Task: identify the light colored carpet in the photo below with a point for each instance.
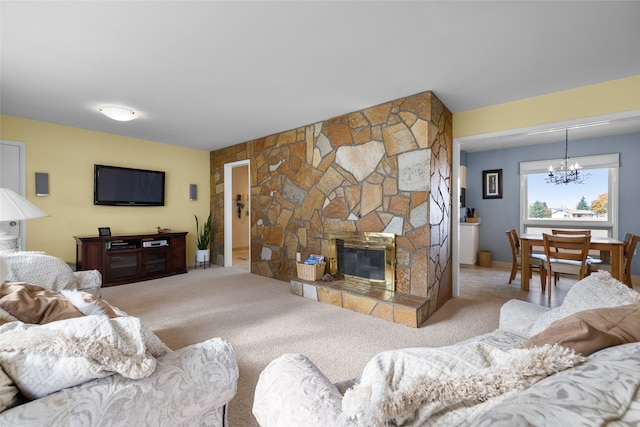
(263, 320)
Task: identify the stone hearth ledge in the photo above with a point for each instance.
(397, 307)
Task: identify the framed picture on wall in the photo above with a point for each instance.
(492, 184)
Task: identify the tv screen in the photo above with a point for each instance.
(118, 186)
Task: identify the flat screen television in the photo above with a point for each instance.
(117, 186)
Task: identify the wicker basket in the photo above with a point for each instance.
(311, 272)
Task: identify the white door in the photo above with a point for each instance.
(12, 176)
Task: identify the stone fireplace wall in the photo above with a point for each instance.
(381, 169)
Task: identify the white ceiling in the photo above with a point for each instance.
(210, 74)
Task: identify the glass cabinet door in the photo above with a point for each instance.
(155, 262)
(120, 266)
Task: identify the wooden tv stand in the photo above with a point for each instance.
(132, 258)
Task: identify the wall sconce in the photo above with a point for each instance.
(241, 201)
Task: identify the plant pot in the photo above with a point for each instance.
(202, 255)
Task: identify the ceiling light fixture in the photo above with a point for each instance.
(566, 172)
(121, 114)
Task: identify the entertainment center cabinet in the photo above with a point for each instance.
(132, 258)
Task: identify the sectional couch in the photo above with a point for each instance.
(578, 364)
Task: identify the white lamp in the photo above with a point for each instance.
(121, 114)
(14, 208)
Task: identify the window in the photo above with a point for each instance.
(592, 205)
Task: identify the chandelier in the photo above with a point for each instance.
(566, 172)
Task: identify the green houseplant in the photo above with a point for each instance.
(203, 238)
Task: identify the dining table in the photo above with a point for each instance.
(608, 247)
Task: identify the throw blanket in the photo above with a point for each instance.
(423, 386)
(42, 359)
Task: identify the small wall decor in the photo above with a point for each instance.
(104, 231)
(492, 184)
(241, 201)
(42, 184)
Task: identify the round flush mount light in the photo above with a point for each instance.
(121, 114)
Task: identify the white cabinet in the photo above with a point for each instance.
(469, 242)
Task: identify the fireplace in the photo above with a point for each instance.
(364, 260)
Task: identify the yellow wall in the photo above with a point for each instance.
(68, 154)
(610, 97)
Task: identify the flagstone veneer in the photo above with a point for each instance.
(382, 169)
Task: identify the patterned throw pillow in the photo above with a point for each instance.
(37, 305)
(599, 290)
(591, 330)
(34, 304)
(40, 269)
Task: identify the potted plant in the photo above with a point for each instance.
(203, 238)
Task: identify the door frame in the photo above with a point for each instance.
(22, 184)
(228, 209)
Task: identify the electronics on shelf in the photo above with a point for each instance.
(155, 243)
(119, 245)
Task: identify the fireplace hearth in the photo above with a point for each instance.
(364, 260)
(365, 266)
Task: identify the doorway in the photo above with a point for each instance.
(617, 123)
(237, 214)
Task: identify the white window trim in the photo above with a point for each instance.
(611, 161)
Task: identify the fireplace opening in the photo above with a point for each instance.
(364, 260)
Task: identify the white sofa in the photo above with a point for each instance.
(191, 386)
(448, 385)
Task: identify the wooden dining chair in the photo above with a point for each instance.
(571, 232)
(629, 247)
(535, 260)
(590, 260)
(565, 255)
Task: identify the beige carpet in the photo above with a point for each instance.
(263, 320)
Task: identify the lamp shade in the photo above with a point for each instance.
(14, 207)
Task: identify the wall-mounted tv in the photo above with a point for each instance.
(117, 186)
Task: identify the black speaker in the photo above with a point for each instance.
(42, 184)
(193, 192)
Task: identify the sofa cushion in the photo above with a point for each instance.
(599, 290)
(591, 330)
